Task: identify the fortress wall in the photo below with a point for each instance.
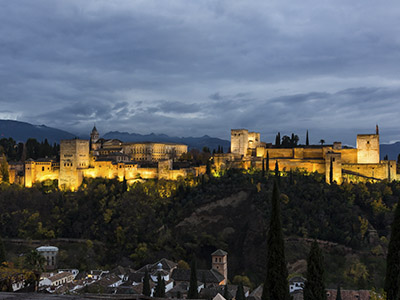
(313, 153)
(348, 155)
(293, 164)
(147, 173)
(279, 152)
(378, 171)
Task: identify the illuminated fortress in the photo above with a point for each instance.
(108, 159)
(342, 163)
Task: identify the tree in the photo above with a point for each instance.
(159, 291)
(240, 292)
(2, 252)
(146, 284)
(226, 293)
(5, 176)
(393, 258)
(307, 141)
(276, 285)
(263, 168)
(278, 139)
(277, 174)
(386, 157)
(322, 142)
(267, 163)
(314, 288)
(193, 292)
(35, 262)
(338, 293)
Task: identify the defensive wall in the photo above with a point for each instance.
(76, 163)
(360, 163)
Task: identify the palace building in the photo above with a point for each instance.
(341, 163)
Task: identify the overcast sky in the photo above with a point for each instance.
(193, 67)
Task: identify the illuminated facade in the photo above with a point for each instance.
(342, 163)
(108, 159)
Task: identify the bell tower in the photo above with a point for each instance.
(94, 137)
(219, 262)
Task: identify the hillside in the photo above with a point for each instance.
(21, 131)
(156, 219)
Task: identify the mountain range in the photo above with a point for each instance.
(21, 131)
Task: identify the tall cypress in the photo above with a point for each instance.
(240, 292)
(278, 139)
(146, 284)
(193, 292)
(314, 288)
(2, 252)
(338, 293)
(393, 258)
(226, 293)
(267, 163)
(276, 286)
(277, 174)
(263, 168)
(160, 287)
(307, 141)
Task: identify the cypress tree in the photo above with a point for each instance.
(263, 168)
(2, 252)
(222, 149)
(278, 139)
(162, 288)
(276, 286)
(338, 294)
(240, 292)
(226, 293)
(267, 163)
(146, 284)
(393, 258)
(307, 141)
(314, 288)
(193, 292)
(277, 174)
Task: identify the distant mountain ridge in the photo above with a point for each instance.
(192, 142)
(21, 131)
(391, 150)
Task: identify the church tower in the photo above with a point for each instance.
(219, 262)
(94, 137)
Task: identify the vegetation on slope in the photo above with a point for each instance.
(155, 219)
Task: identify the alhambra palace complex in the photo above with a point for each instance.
(98, 157)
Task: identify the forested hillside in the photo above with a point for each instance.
(153, 219)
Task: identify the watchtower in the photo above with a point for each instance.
(219, 262)
(74, 156)
(239, 141)
(368, 149)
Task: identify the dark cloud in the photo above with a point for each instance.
(270, 66)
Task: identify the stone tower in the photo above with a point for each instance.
(219, 262)
(368, 148)
(74, 156)
(94, 137)
(239, 141)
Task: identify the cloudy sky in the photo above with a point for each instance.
(193, 67)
